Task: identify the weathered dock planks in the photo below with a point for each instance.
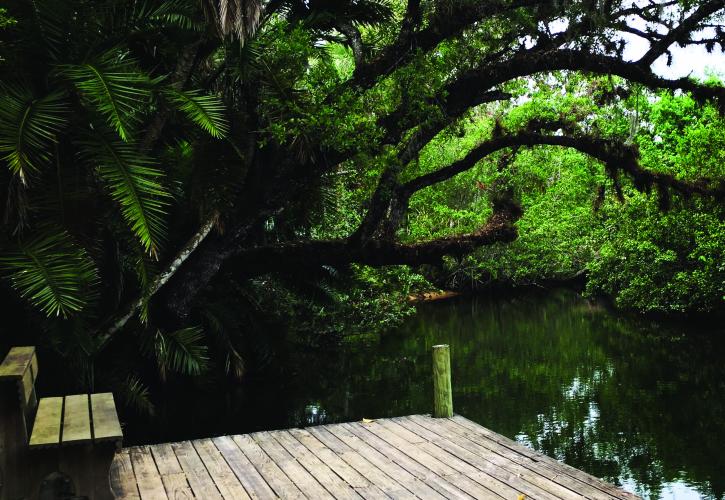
(405, 457)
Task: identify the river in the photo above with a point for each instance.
(636, 402)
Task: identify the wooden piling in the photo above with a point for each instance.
(442, 391)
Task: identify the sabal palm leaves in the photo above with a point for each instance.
(205, 110)
(53, 273)
(28, 128)
(134, 181)
(115, 87)
(182, 352)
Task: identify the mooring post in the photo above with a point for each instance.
(442, 392)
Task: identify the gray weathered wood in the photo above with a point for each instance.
(148, 478)
(275, 477)
(401, 458)
(253, 482)
(442, 391)
(225, 480)
(123, 480)
(196, 473)
(172, 475)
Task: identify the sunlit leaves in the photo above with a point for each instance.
(52, 273)
(29, 128)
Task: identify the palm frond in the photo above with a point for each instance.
(207, 111)
(182, 351)
(53, 273)
(28, 128)
(135, 182)
(115, 86)
(134, 394)
(174, 13)
(53, 22)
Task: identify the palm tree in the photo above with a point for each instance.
(108, 121)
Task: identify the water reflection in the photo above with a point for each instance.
(641, 405)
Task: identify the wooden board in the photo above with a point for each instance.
(253, 482)
(220, 472)
(47, 425)
(76, 420)
(106, 426)
(201, 483)
(122, 477)
(17, 362)
(172, 475)
(149, 483)
(400, 458)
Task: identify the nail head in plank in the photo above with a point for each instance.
(106, 426)
(46, 428)
(76, 419)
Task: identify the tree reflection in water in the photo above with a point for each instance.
(639, 403)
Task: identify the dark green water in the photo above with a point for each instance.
(639, 404)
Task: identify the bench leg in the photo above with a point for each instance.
(89, 466)
(14, 474)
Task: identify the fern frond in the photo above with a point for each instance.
(29, 128)
(135, 182)
(206, 111)
(53, 273)
(182, 351)
(114, 85)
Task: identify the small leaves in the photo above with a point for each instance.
(206, 111)
(29, 128)
(53, 273)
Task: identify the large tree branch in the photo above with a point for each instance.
(309, 254)
(682, 31)
(119, 321)
(617, 157)
(442, 27)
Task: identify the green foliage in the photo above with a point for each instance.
(134, 181)
(29, 128)
(114, 85)
(205, 110)
(52, 273)
(182, 352)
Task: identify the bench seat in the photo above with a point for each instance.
(76, 419)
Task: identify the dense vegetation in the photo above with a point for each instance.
(178, 175)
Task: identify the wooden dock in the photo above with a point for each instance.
(405, 457)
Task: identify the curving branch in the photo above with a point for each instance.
(616, 156)
(291, 257)
(682, 31)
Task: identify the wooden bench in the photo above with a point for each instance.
(76, 435)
